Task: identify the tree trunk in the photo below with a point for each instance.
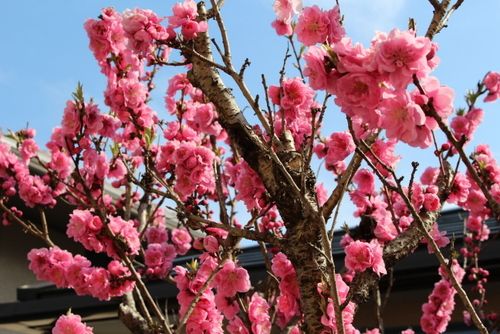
(299, 211)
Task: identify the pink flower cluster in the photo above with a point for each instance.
(328, 319)
(110, 37)
(370, 84)
(88, 229)
(369, 204)
(258, 314)
(190, 107)
(67, 271)
(15, 178)
(318, 26)
(205, 318)
(285, 11)
(71, 324)
(192, 166)
(186, 17)
(360, 255)
(158, 257)
(437, 311)
(271, 221)
(335, 149)
(247, 183)
(295, 100)
(159, 253)
(231, 279)
(492, 83)
(288, 302)
(142, 28)
(465, 125)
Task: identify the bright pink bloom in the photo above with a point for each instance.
(402, 118)
(400, 55)
(362, 255)
(358, 90)
(459, 189)
(185, 16)
(126, 232)
(339, 146)
(429, 176)
(335, 29)
(436, 313)
(158, 258)
(247, 182)
(182, 240)
(84, 227)
(492, 83)
(232, 279)
(282, 28)
(258, 314)
(28, 149)
(71, 324)
(328, 319)
(365, 181)
(320, 77)
(312, 26)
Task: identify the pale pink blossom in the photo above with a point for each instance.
(71, 324)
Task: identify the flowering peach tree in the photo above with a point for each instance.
(202, 160)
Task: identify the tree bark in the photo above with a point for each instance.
(300, 212)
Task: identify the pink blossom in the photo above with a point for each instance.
(28, 149)
(320, 77)
(71, 324)
(335, 29)
(328, 318)
(232, 279)
(282, 28)
(182, 240)
(247, 182)
(362, 255)
(402, 119)
(237, 326)
(258, 314)
(286, 9)
(312, 26)
(185, 16)
(439, 237)
(321, 194)
(429, 176)
(211, 244)
(158, 258)
(442, 96)
(400, 54)
(492, 83)
(84, 227)
(358, 90)
(459, 190)
(365, 181)
(436, 313)
(353, 58)
(125, 231)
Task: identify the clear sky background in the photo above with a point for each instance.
(45, 53)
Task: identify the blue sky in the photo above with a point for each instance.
(45, 54)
